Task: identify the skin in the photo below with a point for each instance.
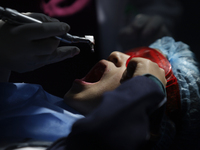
(85, 93)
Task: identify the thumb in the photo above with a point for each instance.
(61, 53)
(128, 73)
(35, 31)
(67, 51)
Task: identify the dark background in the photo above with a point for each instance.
(57, 78)
(188, 30)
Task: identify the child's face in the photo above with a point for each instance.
(104, 76)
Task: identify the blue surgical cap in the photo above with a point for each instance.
(186, 69)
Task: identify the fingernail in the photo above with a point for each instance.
(75, 51)
(65, 27)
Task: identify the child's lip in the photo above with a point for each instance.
(95, 74)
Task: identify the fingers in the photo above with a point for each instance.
(35, 31)
(34, 45)
(44, 46)
(134, 68)
(61, 53)
(154, 24)
(128, 73)
(146, 66)
(33, 62)
(140, 66)
(42, 17)
(140, 21)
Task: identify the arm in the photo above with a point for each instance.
(149, 21)
(169, 10)
(121, 121)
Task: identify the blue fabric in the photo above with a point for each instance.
(27, 111)
(121, 122)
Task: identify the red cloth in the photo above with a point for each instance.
(172, 87)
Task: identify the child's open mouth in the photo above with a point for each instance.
(96, 73)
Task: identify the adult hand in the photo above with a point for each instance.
(139, 66)
(30, 46)
(144, 30)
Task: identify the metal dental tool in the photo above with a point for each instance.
(14, 17)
